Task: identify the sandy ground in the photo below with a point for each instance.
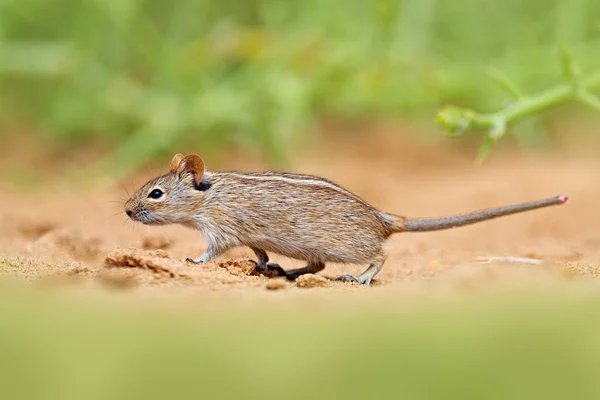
(59, 236)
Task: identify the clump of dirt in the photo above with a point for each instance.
(70, 241)
(157, 267)
(157, 260)
(239, 267)
(312, 281)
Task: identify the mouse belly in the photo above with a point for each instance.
(332, 249)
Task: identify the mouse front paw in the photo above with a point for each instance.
(191, 260)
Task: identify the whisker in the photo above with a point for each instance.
(131, 183)
(115, 214)
(125, 188)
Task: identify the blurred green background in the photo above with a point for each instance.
(139, 78)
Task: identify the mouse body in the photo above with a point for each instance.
(299, 216)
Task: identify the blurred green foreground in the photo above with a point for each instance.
(527, 347)
(140, 77)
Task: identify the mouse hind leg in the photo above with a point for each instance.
(311, 268)
(263, 264)
(366, 277)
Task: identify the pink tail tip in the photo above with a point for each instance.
(563, 199)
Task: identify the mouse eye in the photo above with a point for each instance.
(155, 194)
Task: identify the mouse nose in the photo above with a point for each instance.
(129, 213)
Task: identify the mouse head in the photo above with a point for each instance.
(171, 198)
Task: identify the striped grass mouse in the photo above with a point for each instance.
(298, 216)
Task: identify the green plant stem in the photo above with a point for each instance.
(457, 120)
(530, 105)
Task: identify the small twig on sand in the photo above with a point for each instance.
(519, 260)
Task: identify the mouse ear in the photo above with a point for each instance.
(194, 165)
(175, 162)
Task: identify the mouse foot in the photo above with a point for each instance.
(346, 278)
(191, 260)
(270, 267)
(350, 278)
(277, 268)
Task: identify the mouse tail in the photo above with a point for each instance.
(404, 224)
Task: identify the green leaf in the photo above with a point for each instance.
(504, 82)
(484, 150)
(589, 100)
(570, 70)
